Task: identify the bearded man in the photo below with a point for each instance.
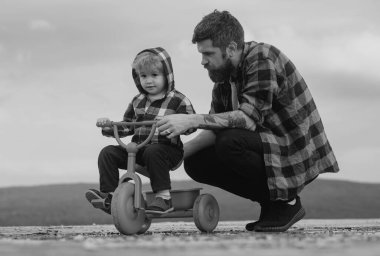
(263, 138)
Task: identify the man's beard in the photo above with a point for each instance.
(223, 73)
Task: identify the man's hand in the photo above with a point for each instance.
(176, 124)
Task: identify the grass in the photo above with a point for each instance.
(66, 205)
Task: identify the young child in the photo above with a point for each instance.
(153, 74)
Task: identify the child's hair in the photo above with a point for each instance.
(147, 61)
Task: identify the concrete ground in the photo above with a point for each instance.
(307, 237)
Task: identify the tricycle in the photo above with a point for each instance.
(128, 202)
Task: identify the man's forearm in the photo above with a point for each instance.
(174, 125)
(232, 119)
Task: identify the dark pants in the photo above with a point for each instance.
(158, 159)
(235, 163)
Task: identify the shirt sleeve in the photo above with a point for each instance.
(218, 100)
(185, 107)
(257, 93)
(128, 117)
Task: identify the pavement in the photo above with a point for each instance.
(308, 237)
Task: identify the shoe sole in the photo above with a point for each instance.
(251, 226)
(159, 212)
(96, 201)
(91, 195)
(300, 214)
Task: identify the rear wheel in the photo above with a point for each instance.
(206, 213)
(126, 218)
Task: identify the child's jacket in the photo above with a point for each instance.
(142, 109)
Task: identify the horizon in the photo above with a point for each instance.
(146, 182)
(65, 63)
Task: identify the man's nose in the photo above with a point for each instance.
(204, 61)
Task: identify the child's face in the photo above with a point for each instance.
(153, 82)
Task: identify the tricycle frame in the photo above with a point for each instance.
(204, 209)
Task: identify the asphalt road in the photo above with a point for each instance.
(307, 237)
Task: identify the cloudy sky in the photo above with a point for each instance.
(64, 63)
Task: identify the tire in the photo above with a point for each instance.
(126, 218)
(206, 213)
(145, 226)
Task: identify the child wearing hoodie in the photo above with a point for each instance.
(153, 75)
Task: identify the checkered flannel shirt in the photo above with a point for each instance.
(273, 93)
(142, 109)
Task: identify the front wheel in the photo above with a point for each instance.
(206, 213)
(126, 218)
(145, 226)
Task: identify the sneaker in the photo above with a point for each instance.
(280, 216)
(251, 226)
(160, 206)
(99, 200)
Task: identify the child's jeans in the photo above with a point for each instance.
(158, 159)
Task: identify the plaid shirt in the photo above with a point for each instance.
(271, 91)
(142, 109)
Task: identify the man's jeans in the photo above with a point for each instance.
(235, 163)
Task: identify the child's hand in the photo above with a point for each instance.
(106, 130)
(101, 122)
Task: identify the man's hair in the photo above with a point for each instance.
(147, 61)
(222, 28)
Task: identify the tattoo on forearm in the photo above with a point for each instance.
(233, 119)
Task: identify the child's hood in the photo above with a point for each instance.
(166, 63)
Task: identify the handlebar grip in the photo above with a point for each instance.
(115, 125)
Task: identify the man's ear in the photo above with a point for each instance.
(231, 49)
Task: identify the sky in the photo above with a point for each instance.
(65, 63)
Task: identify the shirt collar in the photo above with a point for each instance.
(237, 72)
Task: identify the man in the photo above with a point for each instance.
(263, 138)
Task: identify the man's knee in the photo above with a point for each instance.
(188, 165)
(191, 168)
(226, 144)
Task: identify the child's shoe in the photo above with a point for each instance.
(160, 206)
(99, 200)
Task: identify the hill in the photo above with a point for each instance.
(65, 204)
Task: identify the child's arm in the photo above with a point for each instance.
(129, 116)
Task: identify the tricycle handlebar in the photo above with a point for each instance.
(142, 123)
(111, 123)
